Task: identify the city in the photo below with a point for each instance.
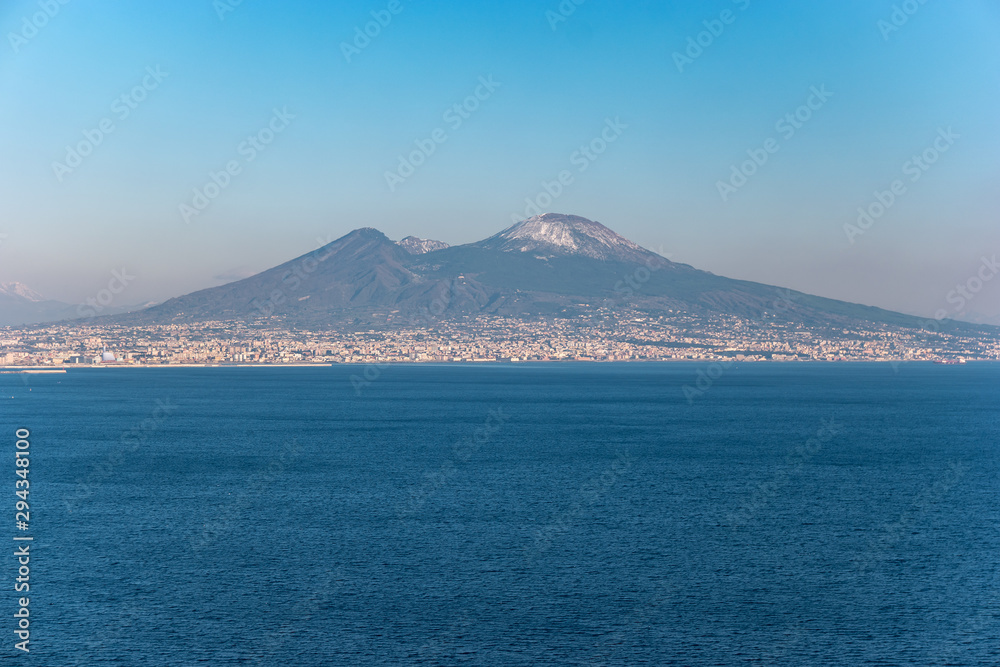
(630, 336)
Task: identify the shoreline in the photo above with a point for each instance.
(65, 367)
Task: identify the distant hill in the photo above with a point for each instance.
(548, 265)
(19, 304)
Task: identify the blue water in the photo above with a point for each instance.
(566, 514)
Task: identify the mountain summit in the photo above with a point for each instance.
(557, 234)
(20, 291)
(418, 246)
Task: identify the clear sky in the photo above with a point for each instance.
(681, 116)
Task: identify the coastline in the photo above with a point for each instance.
(479, 362)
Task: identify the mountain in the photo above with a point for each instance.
(419, 246)
(20, 291)
(550, 265)
(19, 304)
(556, 234)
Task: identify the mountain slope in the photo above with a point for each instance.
(361, 268)
(549, 265)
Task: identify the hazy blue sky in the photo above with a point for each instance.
(557, 83)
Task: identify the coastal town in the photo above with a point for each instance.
(628, 336)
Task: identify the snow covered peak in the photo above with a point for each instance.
(566, 235)
(20, 291)
(418, 246)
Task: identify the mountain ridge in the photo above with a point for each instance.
(552, 265)
(547, 266)
(418, 246)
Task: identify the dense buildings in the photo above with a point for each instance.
(632, 336)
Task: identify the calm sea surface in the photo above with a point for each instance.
(566, 514)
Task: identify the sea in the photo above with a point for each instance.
(508, 514)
